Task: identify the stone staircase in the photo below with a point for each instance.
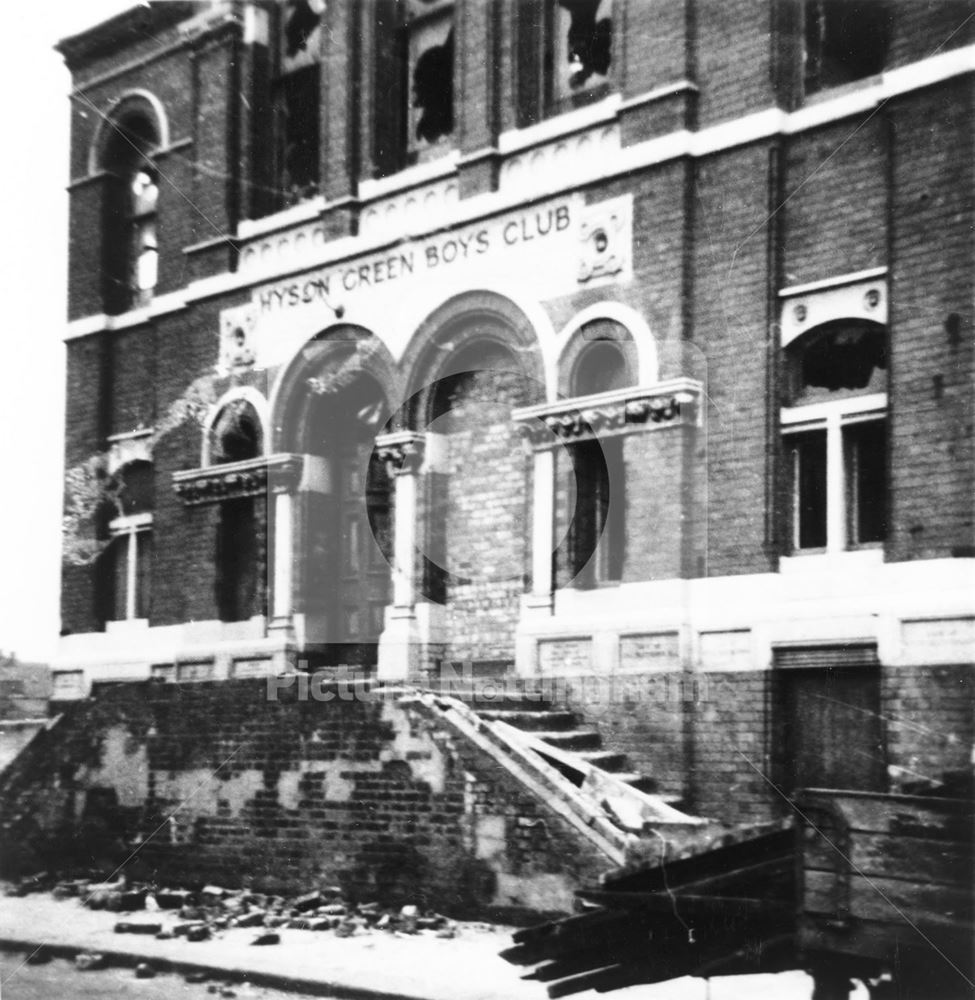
(525, 708)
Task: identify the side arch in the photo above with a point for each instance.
(444, 339)
(246, 394)
(133, 103)
(638, 328)
(338, 353)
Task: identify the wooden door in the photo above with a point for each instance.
(831, 730)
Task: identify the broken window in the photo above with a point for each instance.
(845, 40)
(835, 437)
(429, 27)
(236, 434)
(840, 357)
(130, 247)
(297, 99)
(564, 55)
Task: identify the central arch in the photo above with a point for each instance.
(473, 361)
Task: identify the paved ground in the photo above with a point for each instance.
(59, 980)
(373, 964)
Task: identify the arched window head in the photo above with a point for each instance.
(843, 357)
(236, 434)
(130, 247)
(601, 367)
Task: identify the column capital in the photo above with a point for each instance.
(402, 451)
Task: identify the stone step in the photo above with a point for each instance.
(485, 698)
(573, 739)
(641, 782)
(531, 721)
(606, 760)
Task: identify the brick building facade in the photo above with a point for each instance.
(624, 347)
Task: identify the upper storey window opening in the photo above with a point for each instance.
(842, 358)
(236, 434)
(564, 55)
(297, 99)
(844, 41)
(130, 246)
(429, 27)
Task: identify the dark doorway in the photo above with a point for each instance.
(830, 731)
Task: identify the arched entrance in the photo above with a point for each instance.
(336, 399)
(477, 360)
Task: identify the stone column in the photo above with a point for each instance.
(284, 477)
(399, 645)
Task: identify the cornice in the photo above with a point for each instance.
(254, 477)
(674, 403)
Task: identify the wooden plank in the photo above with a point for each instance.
(912, 859)
(887, 900)
(899, 815)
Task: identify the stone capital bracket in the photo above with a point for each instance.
(402, 451)
(676, 402)
(253, 477)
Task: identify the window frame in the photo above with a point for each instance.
(128, 528)
(832, 418)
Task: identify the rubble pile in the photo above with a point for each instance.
(201, 914)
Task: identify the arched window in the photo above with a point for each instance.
(601, 367)
(126, 564)
(130, 246)
(236, 434)
(834, 436)
(596, 539)
(236, 437)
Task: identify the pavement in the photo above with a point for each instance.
(372, 965)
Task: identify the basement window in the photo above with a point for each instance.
(845, 41)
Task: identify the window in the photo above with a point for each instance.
(596, 542)
(126, 564)
(236, 433)
(430, 59)
(834, 437)
(564, 54)
(130, 248)
(297, 99)
(596, 537)
(236, 437)
(845, 40)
